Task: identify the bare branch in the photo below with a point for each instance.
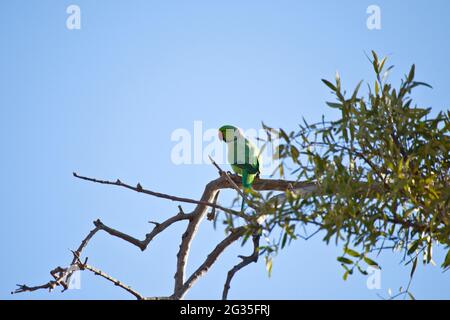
(160, 227)
(66, 276)
(115, 281)
(98, 272)
(138, 243)
(222, 182)
(85, 241)
(61, 276)
(212, 257)
(24, 288)
(245, 262)
(199, 212)
(140, 189)
(212, 214)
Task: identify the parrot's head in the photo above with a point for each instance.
(229, 133)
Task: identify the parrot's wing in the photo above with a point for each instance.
(244, 155)
(252, 156)
(252, 169)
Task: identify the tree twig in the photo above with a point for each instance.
(139, 188)
(225, 174)
(61, 275)
(98, 272)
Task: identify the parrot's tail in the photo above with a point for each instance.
(246, 186)
(245, 189)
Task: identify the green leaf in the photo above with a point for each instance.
(414, 246)
(355, 93)
(364, 272)
(283, 242)
(375, 57)
(330, 85)
(269, 266)
(334, 105)
(284, 135)
(418, 83)
(344, 260)
(295, 153)
(375, 62)
(370, 262)
(446, 262)
(345, 276)
(281, 169)
(352, 253)
(265, 127)
(382, 63)
(412, 73)
(413, 269)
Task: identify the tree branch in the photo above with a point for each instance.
(113, 232)
(139, 188)
(245, 262)
(199, 213)
(98, 272)
(61, 276)
(209, 261)
(160, 227)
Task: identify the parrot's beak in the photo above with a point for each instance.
(220, 136)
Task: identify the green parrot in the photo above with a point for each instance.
(243, 156)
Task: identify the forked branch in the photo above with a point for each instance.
(61, 276)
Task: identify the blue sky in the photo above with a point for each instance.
(104, 100)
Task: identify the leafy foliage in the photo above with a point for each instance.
(382, 171)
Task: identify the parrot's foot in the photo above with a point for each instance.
(227, 173)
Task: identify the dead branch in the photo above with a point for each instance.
(98, 272)
(245, 262)
(160, 227)
(199, 213)
(139, 188)
(115, 281)
(212, 257)
(212, 214)
(208, 200)
(60, 275)
(113, 232)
